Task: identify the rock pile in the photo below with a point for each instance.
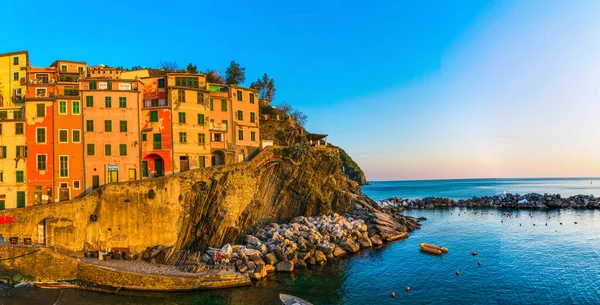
(532, 200)
(303, 243)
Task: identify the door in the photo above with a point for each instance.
(184, 163)
(63, 193)
(95, 182)
(158, 167)
(41, 234)
(20, 199)
(37, 197)
(113, 176)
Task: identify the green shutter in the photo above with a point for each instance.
(20, 177)
(123, 126)
(212, 104)
(223, 105)
(144, 137)
(108, 102)
(144, 168)
(89, 101)
(200, 119)
(122, 102)
(123, 149)
(107, 126)
(2, 205)
(90, 150)
(3, 151)
(20, 199)
(107, 149)
(154, 116)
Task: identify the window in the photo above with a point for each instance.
(191, 82)
(17, 114)
(62, 107)
(93, 86)
(201, 138)
(2, 205)
(20, 199)
(63, 136)
(212, 104)
(21, 149)
(3, 115)
(200, 119)
(123, 126)
(202, 161)
(226, 124)
(75, 108)
(144, 137)
(76, 136)
(181, 96)
(183, 137)
(132, 174)
(122, 149)
(20, 177)
(239, 95)
(89, 101)
(80, 69)
(240, 135)
(181, 117)
(217, 137)
(107, 102)
(253, 136)
(40, 92)
(41, 110)
(251, 98)
(122, 102)
(63, 68)
(63, 165)
(161, 83)
(89, 125)
(252, 117)
(0, 129)
(200, 98)
(3, 152)
(223, 105)
(18, 128)
(240, 115)
(154, 116)
(15, 60)
(91, 149)
(16, 76)
(41, 162)
(107, 149)
(40, 135)
(76, 184)
(107, 126)
(157, 140)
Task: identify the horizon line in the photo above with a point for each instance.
(489, 178)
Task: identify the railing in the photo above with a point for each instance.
(40, 96)
(40, 82)
(68, 92)
(18, 98)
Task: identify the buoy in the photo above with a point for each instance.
(478, 262)
(474, 253)
(393, 294)
(519, 225)
(561, 223)
(534, 224)
(407, 288)
(501, 220)
(457, 273)
(546, 225)
(576, 222)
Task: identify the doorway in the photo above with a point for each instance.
(184, 163)
(63, 191)
(159, 167)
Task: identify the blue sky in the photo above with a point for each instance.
(411, 89)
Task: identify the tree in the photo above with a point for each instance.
(213, 76)
(295, 114)
(192, 69)
(235, 74)
(136, 68)
(265, 86)
(169, 66)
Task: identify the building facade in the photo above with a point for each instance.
(156, 128)
(39, 135)
(111, 136)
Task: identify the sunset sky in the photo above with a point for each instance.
(411, 90)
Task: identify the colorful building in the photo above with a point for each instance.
(12, 78)
(189, 98)
(68, 130)
(39, 135)
(156, 128)
(220, 125)
(102, 71)
(111, 138)
(245, 128)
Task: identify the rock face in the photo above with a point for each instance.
(532, 200)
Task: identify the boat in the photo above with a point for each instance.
(287, 299)
(433, 249)
(54, 285)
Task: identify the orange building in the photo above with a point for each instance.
(156, 128)
(220, 125)
(39, 110)
(111, 115)
(68, 149)
(102, 71)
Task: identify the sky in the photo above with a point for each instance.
(410, 89)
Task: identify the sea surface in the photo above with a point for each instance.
(527, 258)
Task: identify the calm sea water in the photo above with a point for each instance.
(548, 263)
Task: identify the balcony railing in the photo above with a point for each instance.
(38, 96)
(40, 82)
(18, 98)
(68, 93)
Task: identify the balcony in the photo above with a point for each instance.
(18, 98)
(156, 103)
(40, 82)
(68, 93)
(38, 97)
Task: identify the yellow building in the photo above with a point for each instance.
(12, 78)
(135, 74)
(188, 98)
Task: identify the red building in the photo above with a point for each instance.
(157, 132)
(38, 153)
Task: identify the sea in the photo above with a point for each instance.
(522, 257)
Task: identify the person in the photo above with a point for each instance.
(1, 239)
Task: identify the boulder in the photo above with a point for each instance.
(349, 245)
(270, 259)
(226, 251)
(252, 240)
(326, 247)
(364, 242)
(300, 264)
(285, 266)
(376, 241)
(319, 256)
(269, 268)
(338, 251)
(280, 254)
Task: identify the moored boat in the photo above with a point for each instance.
(287, 299)
(433, 249)
(54, 285)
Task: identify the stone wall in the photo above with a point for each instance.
(43, 264)
(192, 210)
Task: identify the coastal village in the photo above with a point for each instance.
(69, 128)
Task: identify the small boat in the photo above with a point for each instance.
(54, 285)
(433, 249)
(287, 299)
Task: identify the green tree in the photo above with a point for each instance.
(235, 74)
(213, 76)
(169, 66)
(192, 69)
(265, 86)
